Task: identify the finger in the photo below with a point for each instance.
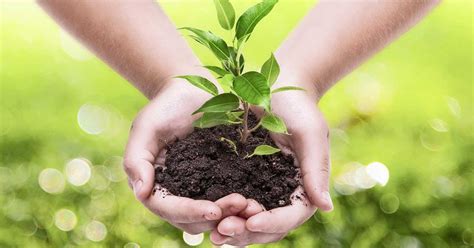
(284, 219)
(246, 238)
(195, 228)
(232, 204)
(181, 209)
(231, 226)
(312, 151)
(253, 208)
(217, 238)
(139, 157)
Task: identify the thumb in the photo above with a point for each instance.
(141, 177)
(312, 151)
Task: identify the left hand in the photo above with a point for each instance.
(165, 118)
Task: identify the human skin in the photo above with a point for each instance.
(138, 40)
(333, 38)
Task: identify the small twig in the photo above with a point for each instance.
(231, 144)
(256, 126)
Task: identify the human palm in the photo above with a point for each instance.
(308, 142)
(166, 118)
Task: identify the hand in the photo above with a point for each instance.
(309, 144)
(165, 118)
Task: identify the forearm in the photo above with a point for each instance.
(337, 36)
(134, 37)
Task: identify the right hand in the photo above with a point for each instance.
(166, 118)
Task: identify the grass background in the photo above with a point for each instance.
(410, 107)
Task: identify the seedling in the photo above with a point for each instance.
(241, 89)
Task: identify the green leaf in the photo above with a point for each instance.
(217, 45)
(217, 70)
(271, 70)
(252, 87)
(274, 124)
(249, 19)
(199, 40)
(211, 119)
(225, 13)
(220, 103)
(286, 88)
(231, 144)
(241, 41)
(201, 83)
(264, 150)
(234, 53)
(226, 82)
(235, 116)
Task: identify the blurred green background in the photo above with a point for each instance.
(408, 111)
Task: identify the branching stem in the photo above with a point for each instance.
(256, 126)
(246, 131)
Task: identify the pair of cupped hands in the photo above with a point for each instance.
(232, 219)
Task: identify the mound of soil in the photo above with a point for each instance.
(203, 167)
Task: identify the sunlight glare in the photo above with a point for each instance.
(65, 220)
(378, 172)
(96, 231)
(52, 181)
(193, 240)
(92, 119)
(78, 171)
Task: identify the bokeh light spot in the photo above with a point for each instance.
(65, 220)
(17, 209)
(434, 140)
(5, 178)
(165, 243)
(378, 172)
(100, 178)
(438, 218)
(389, 203)
(52, 181)
(443, 187)
(362, 179)
(468, 237)
(454, 106)
(96, 231)
(115, 166)
(78, 171)
(92, 119)
(131, 245)
(193, 240)
(28, 227)
(439, 125)
(410, 242)
(367, 94)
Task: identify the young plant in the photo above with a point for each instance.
(241, 89)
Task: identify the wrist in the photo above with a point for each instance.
(169, 82)
(291, 75)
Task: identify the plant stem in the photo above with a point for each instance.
(246, 131)
(256, 126)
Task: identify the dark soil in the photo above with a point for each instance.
(203, 167)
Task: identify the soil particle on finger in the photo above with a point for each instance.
(201, 166)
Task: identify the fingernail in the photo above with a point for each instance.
(137, 186)
(327, 198)
(230, 234)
